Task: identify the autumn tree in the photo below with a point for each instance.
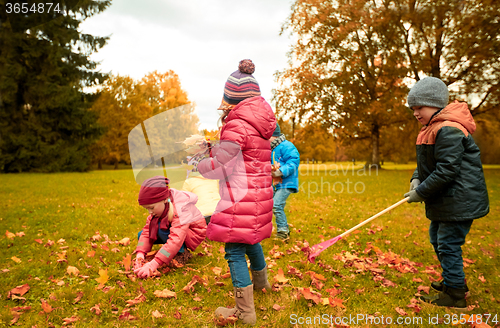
(124, 103)
(313, 143)
(45, 122)
(353, 61)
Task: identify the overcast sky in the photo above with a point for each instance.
(200, 40)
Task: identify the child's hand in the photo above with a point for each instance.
(147, 270)
(414, 197)
(414, 184)
(139, 261)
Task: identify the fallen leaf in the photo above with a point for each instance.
(481, 278)
(217, 270)
(310, 295)
(20, 234)
(39, 241)
(90, 253)
(46, 307)
(70, 320)
(103, 276)
(15, 317)
(196, 279)
(157, 314)
(177, 315)
(424, 289)
(336, 302)
(96, 308)
(125, 315)
(19, 290)
(125, 241)
(220, 321)
(401, 311)
(137, 300)
(16, 259)
(277, 307)
(127, 262)
(165, 293)
(61, 241)
(280, 277)
(104, 247)
(78, 297)
(294, 271)
(71, 270)
(9, 235)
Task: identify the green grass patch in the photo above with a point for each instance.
(57, 216)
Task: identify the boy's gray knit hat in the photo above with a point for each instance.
(429, 91)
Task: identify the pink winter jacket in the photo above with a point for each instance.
(244, 213)
(188, 226)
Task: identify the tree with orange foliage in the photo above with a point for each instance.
(353, 60)
(125, 103)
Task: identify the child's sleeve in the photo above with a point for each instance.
(290, 160)
(144, 244)
(226, 156)
(448, 153)
(174, 243)
(415, 175)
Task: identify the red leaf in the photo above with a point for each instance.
(177, 315)
(401, 311)
(96, 309)
(19, 290)
(336, 302)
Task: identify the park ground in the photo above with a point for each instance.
(67, 239)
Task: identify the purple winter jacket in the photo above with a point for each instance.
(242, 163)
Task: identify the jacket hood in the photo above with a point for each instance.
(256, 112)
(457, 112)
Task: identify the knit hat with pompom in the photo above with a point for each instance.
(240, 85)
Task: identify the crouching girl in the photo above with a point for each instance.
(173, 221)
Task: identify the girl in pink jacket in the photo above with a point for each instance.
(173, 221)
(242, 163)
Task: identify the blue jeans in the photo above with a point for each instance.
(235, 256)
(447, 239)
(161, 238)
(279, 198)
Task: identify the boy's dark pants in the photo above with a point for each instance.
(447, 238)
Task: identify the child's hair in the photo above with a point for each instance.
(223, 116)
(170, 214)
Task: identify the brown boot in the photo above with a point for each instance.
(244, 309)
(259, 279)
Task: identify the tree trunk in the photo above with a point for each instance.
(99, 165)
(116, 165)
(375, 145)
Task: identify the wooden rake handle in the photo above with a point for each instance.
(375, 216)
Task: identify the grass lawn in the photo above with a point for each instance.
(61, 232)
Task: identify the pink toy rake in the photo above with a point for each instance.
(318, 248)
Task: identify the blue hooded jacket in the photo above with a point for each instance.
(288, 156)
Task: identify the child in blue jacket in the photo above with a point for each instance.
(284, 153)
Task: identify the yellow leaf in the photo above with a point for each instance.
(280, 277)
(217, 270)
(16, 259)
(72, 270)
(9, 235)
(157, 314)
(165, 293)
(125, 241)
(46, 307)
(103, 276)
(127, 262)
